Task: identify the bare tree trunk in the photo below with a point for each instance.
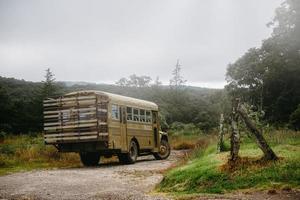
(220, 146)
(260, 140)
(235, 136)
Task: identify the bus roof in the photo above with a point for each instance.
(119, 99)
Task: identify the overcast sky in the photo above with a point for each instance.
(102, 41)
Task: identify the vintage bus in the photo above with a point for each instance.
(96, 123)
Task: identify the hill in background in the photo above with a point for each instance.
(21, 102)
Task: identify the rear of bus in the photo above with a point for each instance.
(77, 122)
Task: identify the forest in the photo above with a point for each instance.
(21, 109)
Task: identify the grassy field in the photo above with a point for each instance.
(23, 153)
(205, 171)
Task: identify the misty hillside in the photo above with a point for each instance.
(22, 102)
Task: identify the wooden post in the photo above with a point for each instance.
(260, 140)
(235, 136)
(220, 146)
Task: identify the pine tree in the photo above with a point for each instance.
(177, 81)
(49, 88)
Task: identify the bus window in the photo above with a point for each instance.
(136, 114)
(148, 116)
(114, 112)
(142, 115)
(129, 113)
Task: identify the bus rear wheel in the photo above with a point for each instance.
(89, 158)
(164, 150)
(131, 156)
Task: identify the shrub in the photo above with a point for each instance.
(177, 126)
(295, 119)
(7, 149)
(2, 136)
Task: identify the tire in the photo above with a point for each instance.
(164, 151)
(89, 158)
(131, 156)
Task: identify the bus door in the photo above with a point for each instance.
(123, 127)
(155, 126)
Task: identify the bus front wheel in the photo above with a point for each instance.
(164, 150)
(89, 158)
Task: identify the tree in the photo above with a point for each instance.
(220, 145)
(239, 110)
(177, 80)
(122, 82)
(135, 81)
(49, 88)
(235, 133)
(295, 119)
(260, 140)
(157, 82)
(6, 111)
(144, 81)
(268, 77)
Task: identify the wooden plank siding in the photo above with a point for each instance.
(75, 119)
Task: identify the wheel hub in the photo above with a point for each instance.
(163, 149)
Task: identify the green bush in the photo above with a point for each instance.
(295, 119)
(178, 128)
(7, 149)
(2, 135)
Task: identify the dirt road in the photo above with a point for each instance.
(107, 181)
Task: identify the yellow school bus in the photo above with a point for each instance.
(97, 123)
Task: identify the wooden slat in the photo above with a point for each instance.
(51, 124)
(58, 131)
(103, 134)
(48, 140)
(68, 110)
(72, 103)
(70, 134)
(70, 126)
(68, 99)
(102, 110)
(51, 116)
(71, 122)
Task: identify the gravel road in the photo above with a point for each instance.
(107, 181)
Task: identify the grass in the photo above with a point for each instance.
(180, 142)
(23, 153)
(205, 171)
(28, 152)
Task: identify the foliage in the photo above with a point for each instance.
(268, 77)
(179, 128)
(188, 141)
(208, 172)
(177, 80)
(2, 135)
(295, 119)
(135, 81)
(21, 102)
(20, 110)
(18, 153)
(49, 88)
